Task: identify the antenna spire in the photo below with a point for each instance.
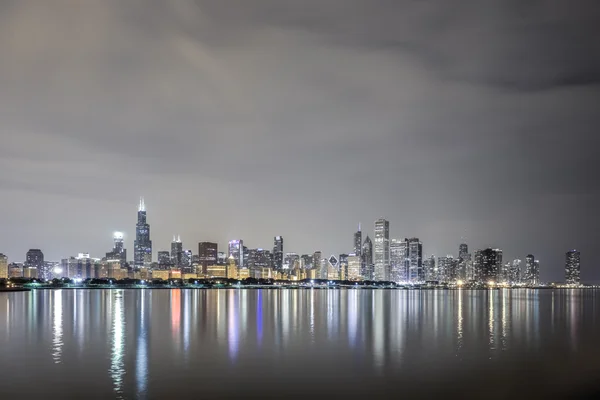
(142, 205)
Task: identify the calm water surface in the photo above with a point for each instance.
(282, 343)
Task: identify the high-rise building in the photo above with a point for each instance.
(514, 277)
(447, 268)
(207, 254)
(316, 264)
(343, 266)
(354, 264)
(415, 260)
(529, 267)
(381, 251)
(177, 252)
(278, 253)
(358, 241)
(429, 266)
(186, 262)
(3, 266)
(118, 252)
(221, 258)
(289, 261)
(164, 260)
(236, 250)
(142, 246)
(573, 267)
(34, 260)
(398, 258)
(306, 261)
(536, 272)
(463, 251)
(258, 259)
(487, 265)
(367, 260)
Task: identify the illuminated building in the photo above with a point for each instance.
(316, 264)
(207, 254)
(266, 273)
(514, 277)
(142, 246)
(221, 258)
(487, 265)
(236, 250)
(175, 273)
(289, 260)
(381, 251)
(216, 271)
(465, 271)
(333, 272)
(278, 253)
(358, 242)
(398, 258)
(573, 267)
(343, 266)
(35, 259)
(306, 261)
(243, 273)
(536, 272)
(113, 269)
(186, 261)
(118, 252)
(15, 270)
(232, 268)
(447, 269)
(415, 260)
(3, 266)
(164, 260)
(161, 274)
(257, 260)
(431, 272)
(367, 259)
(176, 252)
(354, 264)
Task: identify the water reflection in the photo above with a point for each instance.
(165, 337)
(117, 366)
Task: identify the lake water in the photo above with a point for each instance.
(298, 343)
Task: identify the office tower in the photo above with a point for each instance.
(34, 265)
(429, 266)
(232, 268)
(221, 258)
(573, 267)
(381, 251)
(445, 269)
(463, 251)
(316, 264)
(358, 241)
(306, 261)
(514, 277)
(118, 251)
(398, 257)
(487, 265)
(354, 264)
(278, 253)
(258, 259)
(142, 246)
(464, 272)
(536, 272)
(415, 260)
(177, 252)
(3, 266)
(15, 270)
(207, 255)
(164, 259)
(290, 260)
(236, 250)
(186, 262)
(343, 266)
(529, 267)
(367, 260)
(333, 272)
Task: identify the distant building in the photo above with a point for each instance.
(358, 242)
(514, 277)
(257, 260)
(142, 246)
(118, 252)
(186, 262)
(221, 258)
(278, 253)
(381, 253)
(398, 259)
(415, 259)
(573, 267)
(487, 265)
(290, 260)
(232, 268)
(354, 264)
(207, 254)
(176, 252)
(306, 261)
(236, 250)
(367, 260)
(3, 266)
(429, 265)
(15, 270)
(34, 260)
(164, 260)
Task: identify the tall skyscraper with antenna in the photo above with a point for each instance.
(142, 246)
(358, 241)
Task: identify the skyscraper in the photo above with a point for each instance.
(278, 253)
(316, 263)
(529, 267)
(118, 252)
(207, 254)
(463, 251)
(573, 267)
(358, 242)
(236, 250)
(429, 266)
(487, 265)
(367, 259)
(415, 259)
(34, 264)
(514, 276)
(164, 259)
(177, 252)
(354, 263)
(381, 253)
(3, 266)
(398, 256)
(142, 246)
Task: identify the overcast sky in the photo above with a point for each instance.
(253, 118)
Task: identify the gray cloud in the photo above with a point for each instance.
(256, 118)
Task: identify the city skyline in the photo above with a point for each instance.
(280, 118)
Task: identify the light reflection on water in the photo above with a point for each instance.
(149, 338)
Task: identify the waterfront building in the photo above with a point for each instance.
(164, 260)
(289, 261)
(118, 251)
(232, 268)
(415, 260)
(354, 264)
(343, 266)
(487, 265)
(306, 261)
(34, 259)
(236, 250)
(216, 271)
(3, 266)
(176, 252)
(573, 267)
(278, 253)
(15, 270)
(381, 250)
(514, 277)
(186, 261)
(162, 275)
(207, 255)
(142, 246)
(398, 260)
(358, 242)
(367, 260)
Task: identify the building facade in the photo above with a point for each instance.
(142, 246)
(381, 250)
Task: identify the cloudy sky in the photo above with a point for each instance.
(473, 119)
